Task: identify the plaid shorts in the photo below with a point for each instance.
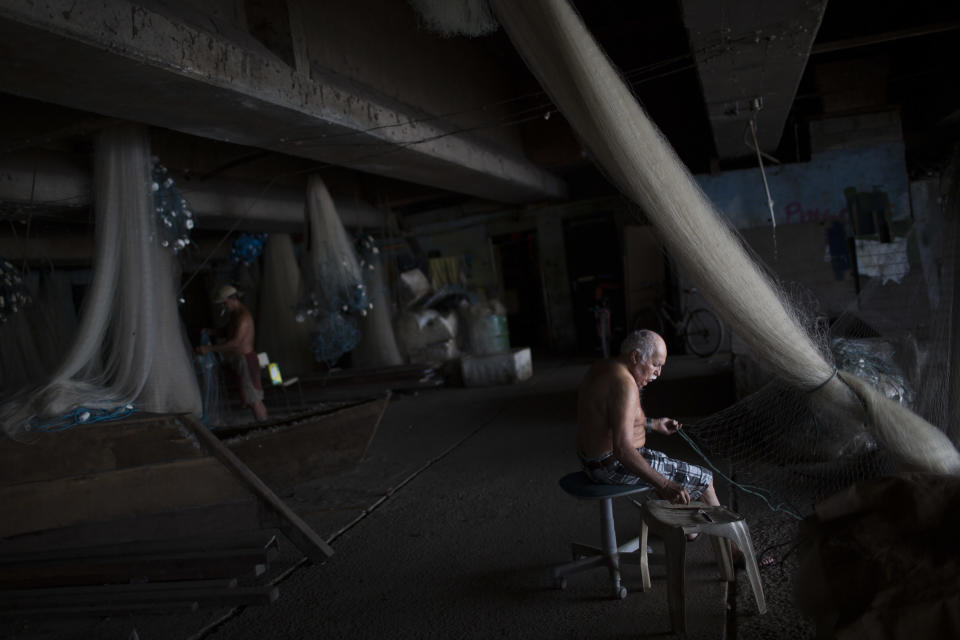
(691, 477)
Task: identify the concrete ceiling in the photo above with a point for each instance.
(750, 57)
(431, 118)
(124, 60)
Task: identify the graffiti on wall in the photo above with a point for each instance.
(795, 212)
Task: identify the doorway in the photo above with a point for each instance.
(519, 266)
(595, 267)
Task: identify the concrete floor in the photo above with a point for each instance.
(449, 526)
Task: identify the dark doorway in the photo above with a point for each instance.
(595, 267)
(522, 289)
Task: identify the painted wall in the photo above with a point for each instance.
(856, 160)
(812, 191)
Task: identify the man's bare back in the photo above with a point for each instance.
(600, 403)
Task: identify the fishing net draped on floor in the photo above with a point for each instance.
(129, 346)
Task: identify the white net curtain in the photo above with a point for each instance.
(285, 341)
(129, 346)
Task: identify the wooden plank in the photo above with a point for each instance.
(100, 610)
(242, 540)
(231, 431)
(95, 448)
(52, 504)
(283, 457)
(128, 591)
(96, 597)
(30, 571)
(240, 515)
(299, 532)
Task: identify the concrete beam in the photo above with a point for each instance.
(750, 53)
(56, 180)
(128, 61)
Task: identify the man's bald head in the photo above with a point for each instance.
(643, 341)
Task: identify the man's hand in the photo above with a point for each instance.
(666, 426)
(674, 493)
(202, 349)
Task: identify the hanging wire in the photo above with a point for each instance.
(763, 173)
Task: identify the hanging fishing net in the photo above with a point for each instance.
(279, 335)
(333, 296)
(212, 388)
(129, 350)
(378, 343)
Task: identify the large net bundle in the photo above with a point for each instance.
(333, 294)
(378, 343)
(129, 350)
(285, 340)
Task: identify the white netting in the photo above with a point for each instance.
(285, 340)
(333, 293)
(378, 343)
(129, 346)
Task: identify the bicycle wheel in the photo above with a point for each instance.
(704, 332)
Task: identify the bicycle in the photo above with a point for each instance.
(700, 329)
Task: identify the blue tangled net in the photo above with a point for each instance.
(247, 247)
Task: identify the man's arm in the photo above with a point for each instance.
(213, 332)
(624, 411)
(236, 339)
(666, 426)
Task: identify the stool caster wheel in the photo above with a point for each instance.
(620, 593)
(560, 583)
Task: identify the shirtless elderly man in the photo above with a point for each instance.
(612, 428)
(237, 349)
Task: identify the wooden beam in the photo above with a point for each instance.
(121, 597)
(87, 450)
(227, 517)
(36, 506)
(101, 565)
(299, 532)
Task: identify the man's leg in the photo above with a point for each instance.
(709, 496)
(259, 410)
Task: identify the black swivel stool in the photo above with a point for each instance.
(610, 554)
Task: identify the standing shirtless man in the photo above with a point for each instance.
(238, 349)
(612, 428)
